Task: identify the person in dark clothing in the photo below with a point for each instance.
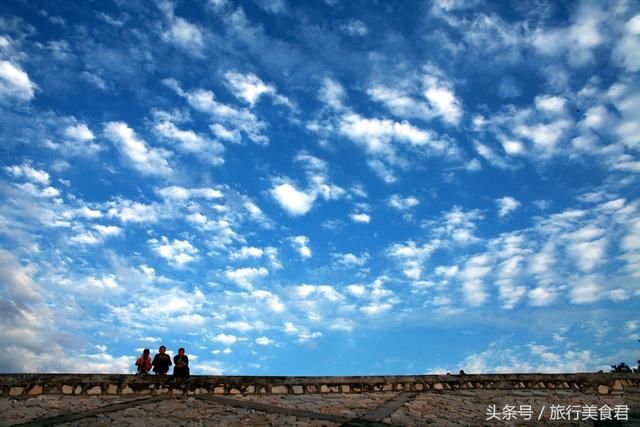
(161, 362)
(181, 361)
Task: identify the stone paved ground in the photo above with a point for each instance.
(461, 408)
(344, 404)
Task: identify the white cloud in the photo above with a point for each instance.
(355, 27)
(274, 6)
(191, 142)
(146, 160)
(442, 98)
(325, 291)
(231, 135)
(79, 132)
(178, 252)
(362, 218)
(87, 238)
(17, 280)
(627, 50)
(15, 83)
(402, 203)
(36, 176)
(250, 88)
(264, 341)
(292, 200)
(130, 211)
(490, 155)
(350, 259)
(247, 252)
(303, 333)
(551, 104)
(244, 277)
(332, 93)
(107, 282)
(271, 300)
(184, 35)
(225, 339)
(178, 193)
(457, 226)
(412, 257)
(232, 119)
(108, 230)
(301, 245)
(506, 205)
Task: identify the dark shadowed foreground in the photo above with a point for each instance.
(502, 399)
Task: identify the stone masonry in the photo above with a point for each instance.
(501, 399)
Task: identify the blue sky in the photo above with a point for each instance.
(320, 188)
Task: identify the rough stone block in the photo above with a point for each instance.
(617, 385)
(35, 390)
(603, 389)
(201, 390)
(279, 389)
(418, 386)
(387, 387)
(162, 390)
(438, 386)
(218, 390)
(77, 390)
(344, 388)
(112, 389)
(250, 389)
(67, 389)
(324, 389)
(16, 391)
(312, 388)
(298, 389)
(126, 390)
(234, 391)
(177, 391)
(96, 389)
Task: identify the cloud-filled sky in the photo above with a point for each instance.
(320, 188)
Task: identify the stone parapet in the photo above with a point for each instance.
(29, 385)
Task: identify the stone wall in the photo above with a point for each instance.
(29, 385)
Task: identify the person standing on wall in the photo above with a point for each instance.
(161, 361)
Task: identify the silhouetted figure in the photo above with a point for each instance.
(181, 361)
(144, 362)
(462, 373)
(161, 361)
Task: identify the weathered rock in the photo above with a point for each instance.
(603, 389)
(16, 391)
(94, 390)
(112, 389)
(67, 389)
(35, 390)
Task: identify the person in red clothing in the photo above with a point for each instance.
(144, 363)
